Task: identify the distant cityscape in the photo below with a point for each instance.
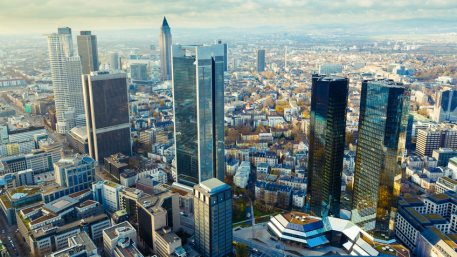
(262, 145)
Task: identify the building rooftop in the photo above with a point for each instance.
(214, 185)
(112, 232)
(60, 204)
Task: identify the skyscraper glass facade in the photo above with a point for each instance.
(198, 91)
(327, 135)
(382, 132)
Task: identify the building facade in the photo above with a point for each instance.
(108, 124)
(377, 177)
(213, 218)
(198, 92)
(260, 60)
(66, 79)
(326, 148)
(87, 51)
(165, 51)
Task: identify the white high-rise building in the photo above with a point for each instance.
(66, 77)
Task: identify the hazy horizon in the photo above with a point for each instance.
(25, 17)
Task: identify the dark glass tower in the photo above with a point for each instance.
(225, 54)
(260, 60)
(87, 51)
(198, 96)
(326, 150)
(107, 114)
(382, 131)
(165, 50)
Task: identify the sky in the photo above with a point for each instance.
(44, 16)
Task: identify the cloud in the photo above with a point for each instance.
(44, 15)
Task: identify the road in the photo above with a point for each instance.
(266, 250)
(9, 232)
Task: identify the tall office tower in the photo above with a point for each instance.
(285, 58)
(114, 61)
(107, 114)
(326, 149)
(430, 139)
(165, 51)
(225, 54)
(382, 132)
(87, 50)
(213, 218)
(67, 41)
(198, 94)
(446, 106)
(66, 79)
(139, 71)
(260, 60)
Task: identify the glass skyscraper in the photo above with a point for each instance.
(383, 119)
(260, 60)
(326, 150)
(87, 51)
(198, 96)
(165, 50)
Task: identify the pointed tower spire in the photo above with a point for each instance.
(164, 23)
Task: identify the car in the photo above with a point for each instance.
(255, 250)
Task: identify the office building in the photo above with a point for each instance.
(139, 71)
(79, 245)
(66, 80)
(377, 176)
(120, 241)
(198, 92)
(330, 69)
(87, 51)
(326, 148)
(165, 42)
(151, 212)
(114, 61)
(213, 218)
(167, 243)
(260, 60)
(433, 138)
(72, 174)
(107, 193)
(445, 106)
(108, 124)
(225, 54)
(314, 232)
(428, 226)
(443, 155)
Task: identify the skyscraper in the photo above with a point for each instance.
(446, 106)
(106, 104)
(213, 218)
(382, 131)
(326, 148)
(198, 96)
(260, 60)
(66, 80)
(165, 51)
(225, 54)
(114, 61)
(139, 71)
(87, 51)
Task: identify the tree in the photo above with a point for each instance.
(241, 250)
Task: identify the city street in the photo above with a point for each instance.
(12, 239)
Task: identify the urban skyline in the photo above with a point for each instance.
(275, 142)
